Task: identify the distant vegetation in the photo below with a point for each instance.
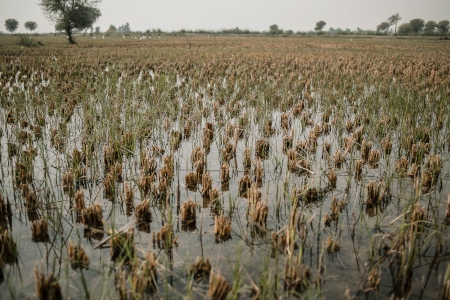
(84, 16)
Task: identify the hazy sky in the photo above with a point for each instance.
(245, 14)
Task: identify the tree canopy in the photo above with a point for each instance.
(430, 27)
(30, 25)
(71, 14)
(124, 28)
(393, 20)
(11, 25)
(443, 26)
(320, 25)
(383, 27)
(273, 29)
(405, 29)
(417, 25)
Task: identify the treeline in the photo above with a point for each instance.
(413, 27)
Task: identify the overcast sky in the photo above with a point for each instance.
(245, 14)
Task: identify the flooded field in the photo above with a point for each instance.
(225, 167)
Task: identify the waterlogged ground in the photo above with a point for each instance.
(344, 145)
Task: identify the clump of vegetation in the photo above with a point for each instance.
(8, 248)
(92, 216)
(143, 213)
(27, 41)
(140, 281)
(297, 277)
(165, 237)
(122, 245)
(78, 257)
(47, 287)
(218, 286)
(201, 268)
(222, 228)
(39, 230)
(188, 211)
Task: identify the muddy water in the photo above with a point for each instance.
(248, 252)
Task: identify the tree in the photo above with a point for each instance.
(405, 29)
(273, 29)
(339, 30)
(124, 28)
(70, 15)
(30, 25)
(417, 25)
(393, 20)
(11, 25)
(112, 27)
(383, 27)
(97, 29)
(430, 27)
(319, 26)
(443, 27)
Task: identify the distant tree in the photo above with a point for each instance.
(70, 15)
(124, 28)
(359, 31)
(383, 27)
(97, 29)
(11, 25)
(112, 27)
(30, 25)
(319, 26)
(289, 32)
(430, 27)
(405, 29)
(273, 29)
(443, 27)
(417, 25)
(393, 20)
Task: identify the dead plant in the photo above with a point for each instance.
(47, 288)
(39, 230)
(78, 257)
(188, 210)
(143, 213)
(122, 245)
(218, 286)
(332, 246)
(375, 192)
(200, 269)
(222, 228)
(79, 200)
(92, 216)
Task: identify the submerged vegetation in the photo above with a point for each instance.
(225, 167)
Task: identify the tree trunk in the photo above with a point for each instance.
(69, 35)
